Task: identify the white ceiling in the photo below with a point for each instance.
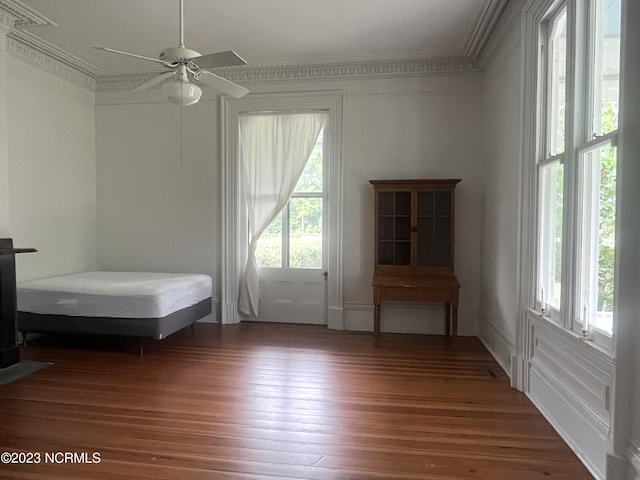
(266, 32)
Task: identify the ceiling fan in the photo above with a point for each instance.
(187, 68)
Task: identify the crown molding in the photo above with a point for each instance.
(308, 71)
(484, 34)
(50, 58)
(6, 22)
(23, 15)
(28, 47)
(479, 34)
(508, 19)
(352, 68)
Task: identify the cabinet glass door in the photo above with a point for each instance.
(394, 228)
(433, 245)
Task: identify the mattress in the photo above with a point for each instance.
(113, 294)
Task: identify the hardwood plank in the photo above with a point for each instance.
(267, 401)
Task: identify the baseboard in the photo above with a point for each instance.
(358, 317)
(633, 460)
(519, 373)
(497, 340)
(335, 318)
(408, 317)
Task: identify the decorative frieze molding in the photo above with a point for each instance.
(350, 69)
(28, 40)
(15, 16)
(23, 15)
(123, 80)
(6, 25)
(51, 59)
(308, 71)
(6, 22)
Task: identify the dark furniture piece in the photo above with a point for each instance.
(414, 246)
(9, 352)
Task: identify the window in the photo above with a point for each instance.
(579, 73)
(294, 238)
(550, 165)
(551, 181)
(597, 242)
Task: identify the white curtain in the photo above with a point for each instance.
(274, 150)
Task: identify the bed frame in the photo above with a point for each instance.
(157, 328)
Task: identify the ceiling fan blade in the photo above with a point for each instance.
(153, 81)
(222, 84)
(135, 55)
(220, 59)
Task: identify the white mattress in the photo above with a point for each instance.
(113, 294)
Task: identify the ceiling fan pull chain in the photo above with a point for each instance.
(181, 131)
(181, 23)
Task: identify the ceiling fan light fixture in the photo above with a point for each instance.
(182, 93)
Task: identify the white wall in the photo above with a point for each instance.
(5, 230)
(500, 198)
(155, 214)
(158, 188)
(51, 172)
(411, 129)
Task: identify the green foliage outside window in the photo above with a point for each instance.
(606, 238)
(305, 224)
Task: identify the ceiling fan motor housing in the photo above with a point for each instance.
(177, 54)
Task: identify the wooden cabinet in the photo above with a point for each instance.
(414, 245)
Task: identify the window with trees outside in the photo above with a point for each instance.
(294, 239)
(579, 83)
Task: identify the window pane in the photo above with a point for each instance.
(606, 66)
(556, 86)
(269, 248)
(597, 243)
(311, 178)
(305, 232)
(550, 231)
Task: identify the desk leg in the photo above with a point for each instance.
(447, 319)
(376, 314)
(455, 322)
(376, 323)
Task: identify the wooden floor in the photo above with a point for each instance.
(267, 401)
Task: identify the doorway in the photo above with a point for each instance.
(291, 252)
(234, 231)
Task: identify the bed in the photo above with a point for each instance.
(137, 304)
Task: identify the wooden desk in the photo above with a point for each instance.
(418, 288)
(9, 353)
